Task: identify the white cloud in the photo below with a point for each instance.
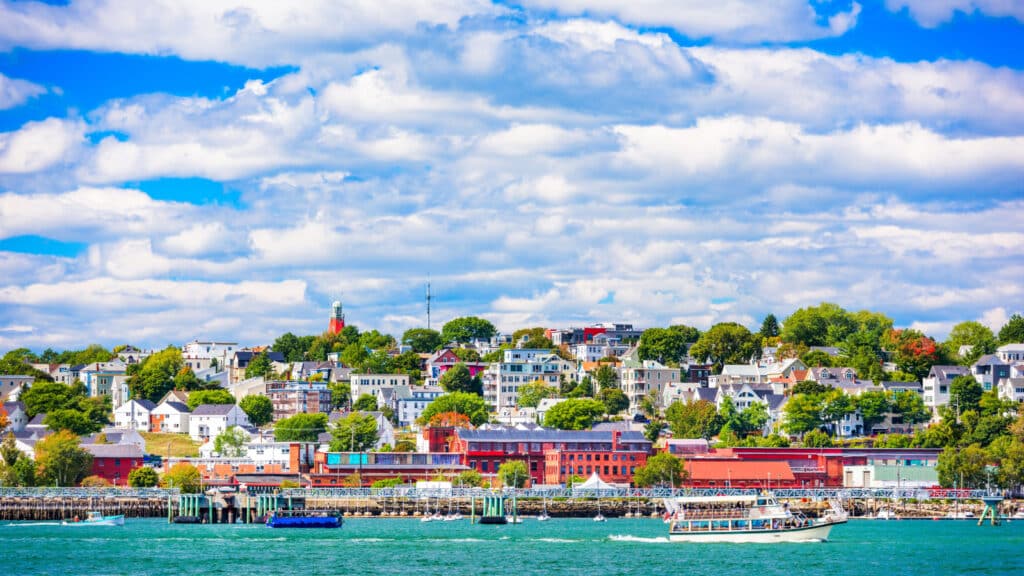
(256, 32)
(931, 13)
(39, 145)
(737, 20)
(14, 91)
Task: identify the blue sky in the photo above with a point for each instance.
(228, 171)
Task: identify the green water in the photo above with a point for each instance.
(412, 548)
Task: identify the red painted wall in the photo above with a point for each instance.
(115, 470)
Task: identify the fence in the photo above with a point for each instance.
(140, 493)
(649, 493)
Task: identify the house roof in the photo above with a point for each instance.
(37, 420)
(212, 409)
(12, 406)
(990, 360)
(147, 404)
(113, 450)
(707, 394)
(180, 407)
(243, 357)
(705, 469)
(947, 373)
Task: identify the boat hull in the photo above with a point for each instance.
(305, 522)
(815, 533)
(105, 521)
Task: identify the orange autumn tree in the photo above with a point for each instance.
(453, 419)
(4, 420)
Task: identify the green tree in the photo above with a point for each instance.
(836, 405)
(513, 473)
(186, 379)
(471, 405)
(458, 379)
(574, 414)
(293, 348)
(466, 355)
(212, 396)
(61, 459)
(666, 345)
(184, 477)
(467, 329)
(470, 478)
(874, 406)
(365, 403)
(1011, 465)
(422, 340)
(606, 377)
(300, 428)
(694, 419)
(1013, 331)
(532, 393)
(726, 343)
(975, 334)
(375, 340)
(817, 439)
(965, 393)
(356, 432)
(817, 359)
(810, 387)
(143, 477)
(615, 400)
(962, 468)
(822, 325)
(341, 393)
(231, 442)
(259, 409)
(754, 418)
(910, 406)
(16, 469)
(662, 469)
(46, 397)
(258, 366)
(653, 429)
(72, 420)
(802, 414)
(154, 377)
(585, 389)
(769, 327)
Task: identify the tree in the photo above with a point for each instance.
(532, 393)
(615, 400)
(212, 396)
(726, 343)
(16, 469)
(835, 406)
(1013, 331)
(95, 482)
(606, 377)
(259, 409)
(356, 432)
(453, 419)
(4, 420)
(472, 405)
(422, 340)
(466, 354)
(231, 442)
(810, 387)
(300, 428)
(666, 345)
(694, 419)
(374, 340)
(46, 397)
(467, 329)
(258, 366)
(769, 327)
(513, 473)
(143, 477)
(802, 414)
(184, 477)
(341, 393)
(965, 393)
(816, 359)
(1011, 466)
(974, 334)
(653, 429)
(660, 470)
(964, 468)
(292, 347)
(470, 478)
(754, 418)
(913, 352)
(154, 377)
(365, 403)
(817, 439)
(574, 414)
(74, 421)
(910, 406)
(458, 379)
(61, 459)
(874, 406)
(585, 389)
(821, 325)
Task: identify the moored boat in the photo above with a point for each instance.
(755, 518)
(304, 519)
(94, 518)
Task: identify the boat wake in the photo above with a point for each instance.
(628, 538)
(17, 524)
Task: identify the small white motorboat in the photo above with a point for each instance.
(600, 518)
(94, 518)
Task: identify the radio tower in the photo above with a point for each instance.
(428, 304)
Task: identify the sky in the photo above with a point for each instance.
(220, 169)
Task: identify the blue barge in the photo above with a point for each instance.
(304, 519)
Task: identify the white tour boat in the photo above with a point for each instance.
(754, 518)
(94, 518)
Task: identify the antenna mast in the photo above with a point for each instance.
(428, 303)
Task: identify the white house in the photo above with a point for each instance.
(12, 384)
(935, 386)
(1011, 353)
(638, 378)
(372, 383)
(170, 417)
(17, 417)
(521, 366)
(134, 414)
(209, 420)
(411, 408)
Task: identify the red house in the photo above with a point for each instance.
(114, 462)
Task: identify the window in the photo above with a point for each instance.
(483, 466)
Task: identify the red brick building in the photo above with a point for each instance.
(486, 450)
(114, 462)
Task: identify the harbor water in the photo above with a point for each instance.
(561, 546)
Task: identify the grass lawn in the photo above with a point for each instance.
(180, 444)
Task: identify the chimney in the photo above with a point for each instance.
(615, 440)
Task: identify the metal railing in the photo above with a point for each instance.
(649, 493)
(88, 492)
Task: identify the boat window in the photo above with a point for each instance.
(761, 502)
